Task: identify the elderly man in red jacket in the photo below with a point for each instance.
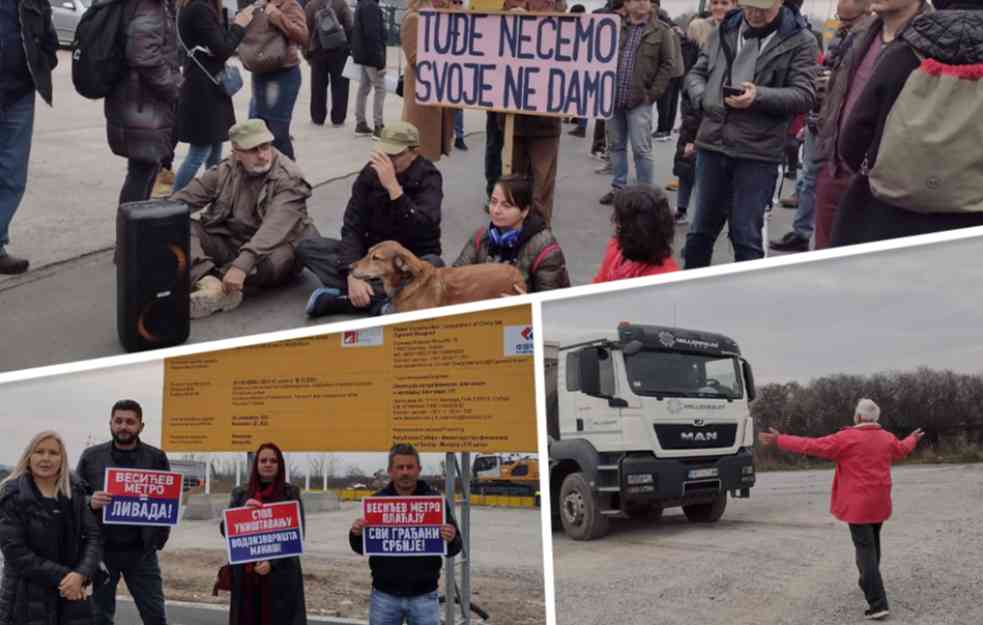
(861, 486)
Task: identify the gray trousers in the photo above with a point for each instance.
(372, 78)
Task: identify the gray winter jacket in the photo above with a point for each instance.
(784, 75)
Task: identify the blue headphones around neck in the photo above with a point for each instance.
(507, 239)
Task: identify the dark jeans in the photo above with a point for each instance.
(326, 68)
(16, 131)
(867, 541)
(139, 183)
(495, 141)
(274, 97)
(733, 191)
(142, 575)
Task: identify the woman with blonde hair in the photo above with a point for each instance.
(435, 123)
(49, 537)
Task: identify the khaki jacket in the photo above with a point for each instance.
(260, 213)
(657, 61)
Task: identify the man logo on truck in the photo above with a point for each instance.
(698, 437)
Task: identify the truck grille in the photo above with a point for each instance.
(679, 436)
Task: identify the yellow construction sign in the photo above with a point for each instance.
(461, 383)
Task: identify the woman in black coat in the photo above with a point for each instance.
(205, 113)
(953, 36)
(50, 540)
(272, 591)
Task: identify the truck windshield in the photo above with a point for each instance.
(678, 374)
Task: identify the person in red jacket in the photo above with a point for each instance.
(643, 233)
(861, 486)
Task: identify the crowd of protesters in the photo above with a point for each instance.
(750, 84)
(62, 563)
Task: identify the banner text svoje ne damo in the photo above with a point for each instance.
(545, 64)
(461, 383)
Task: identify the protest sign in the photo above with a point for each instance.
(544, 64)
(267, 533)
(142, 497)
(403, 526)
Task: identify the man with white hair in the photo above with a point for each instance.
(255, 213)
(861, 486)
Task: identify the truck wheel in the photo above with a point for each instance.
(579, 511)
(707, 512)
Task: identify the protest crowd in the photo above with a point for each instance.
(877, 128)
(65, 548)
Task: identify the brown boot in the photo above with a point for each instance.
(164, 184)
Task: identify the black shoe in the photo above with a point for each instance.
(377, 133)
(791, 242)
(327, 301)
(459, 144)
(579, 131)
(607, 199)
(362, 130)
(12, 265)
(876, 614)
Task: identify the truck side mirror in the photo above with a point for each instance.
(589, 363)
(748, 379)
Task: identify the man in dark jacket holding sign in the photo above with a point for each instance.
(406, 587)
(129, 551)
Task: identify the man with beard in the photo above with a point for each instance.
(257, 213)
(129, 551)
(406, 587)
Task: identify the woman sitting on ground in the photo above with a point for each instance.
(643, 232)
(518, 235)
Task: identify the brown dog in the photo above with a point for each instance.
(414, 284)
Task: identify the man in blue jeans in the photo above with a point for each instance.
(129, 551)
(27, 55)
(755, 74)
(405, 587)
(646, 62)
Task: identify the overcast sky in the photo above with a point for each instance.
(891, 310)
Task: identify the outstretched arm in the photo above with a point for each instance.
(827, 447)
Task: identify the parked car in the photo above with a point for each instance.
(65, 14)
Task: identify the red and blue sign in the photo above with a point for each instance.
(267, 533)
(142, 497)
(403, 526)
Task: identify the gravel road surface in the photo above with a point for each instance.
(780, 558)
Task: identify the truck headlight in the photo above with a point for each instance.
(640, 478)
(748, 470)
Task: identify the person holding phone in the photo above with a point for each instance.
(755, 74)
(861, 486)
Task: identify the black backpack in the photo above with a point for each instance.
(98, 52)
(330, 34)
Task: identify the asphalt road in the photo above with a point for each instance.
(780, 558)
(65, 307)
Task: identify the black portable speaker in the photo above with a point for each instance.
(152, 274)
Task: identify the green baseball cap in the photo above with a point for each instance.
(398, 136)
(757, 4)
(249, 134)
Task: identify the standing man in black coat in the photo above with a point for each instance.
(130, 551)
(406, 587)
(27, 55)
(369, 50)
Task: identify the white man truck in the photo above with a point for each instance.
(656, 417)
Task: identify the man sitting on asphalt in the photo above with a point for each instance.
(861, 486)
(406, 586)
(257, 213)
(397, 197)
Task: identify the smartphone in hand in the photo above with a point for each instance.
(731, 91)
